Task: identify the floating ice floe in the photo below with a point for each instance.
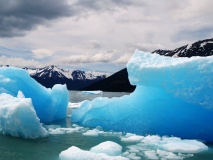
(18, 117)
(74, 105)
(110, 148)
(92, 92)
(49, 104)
(96, 153)
(132, 138)
(173, 97)
(93, 133)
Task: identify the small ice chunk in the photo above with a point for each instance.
(75, 153)
(132, 139)
(110, 148)
(74, 105)
(93, 133)
(151, 154)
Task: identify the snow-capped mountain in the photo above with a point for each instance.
(75, 79)
(199, 48)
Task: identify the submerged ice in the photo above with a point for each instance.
(173, 97)
(18, 117)
(49, 104)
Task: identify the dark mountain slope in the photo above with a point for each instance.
(118, 82)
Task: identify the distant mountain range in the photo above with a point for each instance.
(119, 81)
(75, 80)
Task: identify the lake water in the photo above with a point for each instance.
(49, 148)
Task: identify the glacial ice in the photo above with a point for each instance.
(18, 117)
(50, 105)
(173, 97)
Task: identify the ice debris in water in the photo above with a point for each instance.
(98, 152)
(18, 117)
(156, 147)
(173, 97)
(135, 146)
(49, 104)
(56, 129)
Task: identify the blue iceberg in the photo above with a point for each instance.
(49, 104)
(173, 97)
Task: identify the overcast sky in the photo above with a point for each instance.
(98, 35)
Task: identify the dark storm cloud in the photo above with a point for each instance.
(18, 16)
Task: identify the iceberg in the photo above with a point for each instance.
(49, 104)
(173, 97)
(18, 117)
(92, 92)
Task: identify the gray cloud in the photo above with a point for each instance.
(192, 34)
(103, 5)
(147, 47)
(99, 57)
(18, 16)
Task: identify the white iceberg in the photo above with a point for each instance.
(18, 117)
(49, 104)
(110, 148)
(173, 97)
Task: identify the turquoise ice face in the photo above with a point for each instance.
(173, 97)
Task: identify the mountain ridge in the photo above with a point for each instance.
(76, 79)
(200, 48)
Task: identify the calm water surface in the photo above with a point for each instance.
(49, 148)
